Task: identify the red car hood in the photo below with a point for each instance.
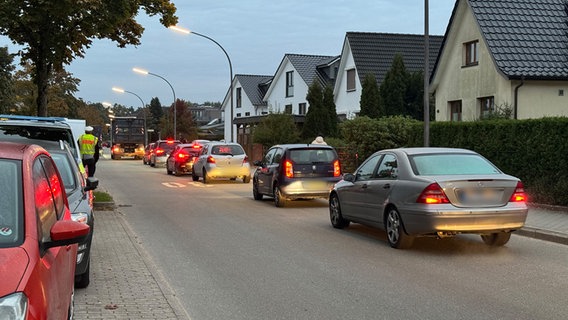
(13, 265)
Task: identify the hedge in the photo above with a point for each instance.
(534, 150)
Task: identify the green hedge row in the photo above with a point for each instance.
(534, 150)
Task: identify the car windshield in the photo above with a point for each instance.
(11, 209)
(19, 133)
(65, 170)
(451, 164)
(227, 149)
(311, 155)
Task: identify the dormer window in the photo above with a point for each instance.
(471, 53)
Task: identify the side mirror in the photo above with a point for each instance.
(349, 177)
(67, 232)
(92, 184)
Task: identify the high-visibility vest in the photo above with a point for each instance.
(87, 144)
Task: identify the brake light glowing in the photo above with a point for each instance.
(182, 156)
(170, 141)
(196, 146)
(245, 160)
(519, 195)
(115, 149)
(288, 169)
(210, 159)
(159, 151)
(336, 168)
(433, 194)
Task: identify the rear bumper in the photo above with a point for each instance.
(227, 172)
(478, 221)
(307, 189)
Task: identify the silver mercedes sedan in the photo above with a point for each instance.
(440, 192)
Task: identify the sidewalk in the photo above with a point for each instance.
(126, 285)
(124, 282)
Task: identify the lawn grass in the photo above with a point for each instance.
(101, 196)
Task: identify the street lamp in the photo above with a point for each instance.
(145, 72)
(108, 106)
(186, 31)
(120, 90)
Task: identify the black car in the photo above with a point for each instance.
(180, 161)
(296, 171)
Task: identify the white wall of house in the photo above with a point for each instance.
(276, 95)
(347, 103)
(537, 99)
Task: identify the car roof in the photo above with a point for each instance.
(17, 151)
(303, 145)
(50, 122)
(429, 150)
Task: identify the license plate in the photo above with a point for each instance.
(480, 196)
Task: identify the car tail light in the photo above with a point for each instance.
(182, 156)
(210, 159)
(196, 146)
(336, 168)
(115, 149)
(433, 194)
(288, 169)
(519, 195)
(170, 141)
(245, 160)
(159, 152)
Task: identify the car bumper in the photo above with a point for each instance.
(83, 254)
(454, 220)
(184, 167)
(307, 189)
(227, 172)
(160, 161)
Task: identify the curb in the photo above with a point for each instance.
(542, 234)
(104, 205)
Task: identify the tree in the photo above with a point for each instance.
(414, 97)
(6, 80)
(156, 114)
(370, 99)
(316, 117)
(393, 88)
(276, 128)
(186, 128)
(329, 106)
(54, 33)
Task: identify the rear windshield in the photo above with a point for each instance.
(11, 212)
(22, 133)
(227, 149)
(308, 156)
(451, 164)
(192, 151)
(168, 146)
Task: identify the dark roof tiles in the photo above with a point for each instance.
(254, 87)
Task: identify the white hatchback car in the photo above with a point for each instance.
(221, 160)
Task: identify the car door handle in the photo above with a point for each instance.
(386, 186)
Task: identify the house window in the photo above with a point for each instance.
(239, 98)
(487, 106)
(238, 115)
(288, 109)
(351, 80)
(302, 108)
(471, 53)
(456, 110)
(290, 84)
(247, 114)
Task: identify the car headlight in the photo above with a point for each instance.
(80, 217)
(14, 306)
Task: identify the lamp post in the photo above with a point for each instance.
(110, 117)
(120, 90)
(186, 31)
(145, 72)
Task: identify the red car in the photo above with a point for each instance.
(38, 239)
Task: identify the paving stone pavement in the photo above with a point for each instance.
(124, 282)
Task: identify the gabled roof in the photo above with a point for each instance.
(307, 67)
(527, 38)
(374, 52)
(255, 87)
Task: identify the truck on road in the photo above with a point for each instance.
(127, 138)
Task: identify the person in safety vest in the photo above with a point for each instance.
(87, 145)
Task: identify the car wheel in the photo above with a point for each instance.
(279, 199)
(256, 195)
(396, 235)
(168, 171)
(194, 177)
(337, 220)
(83, 280)
(246, 179)
(496, 239)
(205, 177)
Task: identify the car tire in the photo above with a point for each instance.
(279, 200)
(498, 239)
(255, 194)
(396, 236)
(246, 179)
(335, 216)
(83, 280)
(205, 177)
(168, 171)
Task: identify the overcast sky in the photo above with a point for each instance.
(255, 33)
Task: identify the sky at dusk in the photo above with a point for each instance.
(255, 33)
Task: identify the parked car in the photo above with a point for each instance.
(221, 160)
(80, 198)
(162, 149)
(180, 161)
(38, 238)
(439, 192)
(147, 153)
(296, 171)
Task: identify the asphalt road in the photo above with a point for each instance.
(227, 256)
